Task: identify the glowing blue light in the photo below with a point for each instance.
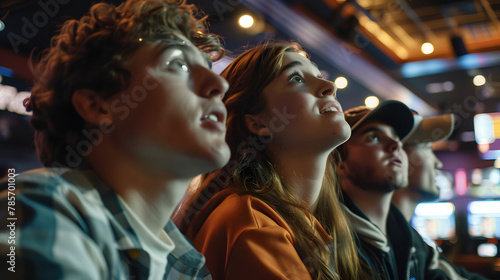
(422, 68)
(7, 72)
(436, 66)
(468, 61)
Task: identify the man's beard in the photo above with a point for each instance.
(391, 183)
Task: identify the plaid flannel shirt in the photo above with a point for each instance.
(70, 225)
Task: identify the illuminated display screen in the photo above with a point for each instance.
(435, 220)
(483, 218)
(487, 135)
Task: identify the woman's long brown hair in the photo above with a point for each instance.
(252, 170)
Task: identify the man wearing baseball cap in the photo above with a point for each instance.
(423, 163)
(371, 167)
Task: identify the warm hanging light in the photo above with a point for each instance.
(341, 82)
(246, 21)
(427, 48)
(371, 101)
(479, 80)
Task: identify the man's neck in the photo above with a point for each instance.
(374, 204)
(152, 196)
(406, 201)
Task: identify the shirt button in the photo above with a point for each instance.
(133, 253)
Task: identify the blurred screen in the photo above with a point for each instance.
(483, 218)
(435, 220)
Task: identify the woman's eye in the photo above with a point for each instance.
(178, 65)
(296, 79)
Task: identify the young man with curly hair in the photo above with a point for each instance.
(126, 112)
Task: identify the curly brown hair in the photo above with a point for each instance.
(91, 53)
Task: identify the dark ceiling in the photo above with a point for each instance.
(375, 44)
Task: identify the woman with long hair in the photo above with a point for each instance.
(273, 212)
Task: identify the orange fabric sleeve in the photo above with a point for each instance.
(243, 238)
(265, 253)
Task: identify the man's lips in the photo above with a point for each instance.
(215, 114)
(395, 161)
(215, 118)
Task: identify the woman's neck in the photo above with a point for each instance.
(303, 173)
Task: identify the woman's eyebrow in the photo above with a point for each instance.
(289, 65)
(298, 63)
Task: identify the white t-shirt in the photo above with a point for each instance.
(158, 247)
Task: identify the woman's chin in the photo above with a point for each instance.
(344, 133)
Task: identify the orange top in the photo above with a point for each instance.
(243, 238)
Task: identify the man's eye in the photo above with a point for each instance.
(373, 137)
(177, 65)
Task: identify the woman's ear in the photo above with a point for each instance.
(91, 106)
(257, 125)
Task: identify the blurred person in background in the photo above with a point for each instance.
(371, 167)
(423, 163)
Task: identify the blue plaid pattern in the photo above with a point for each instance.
(71, 225)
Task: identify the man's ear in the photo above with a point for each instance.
(257, 125)
(91, 106)
(340, 166)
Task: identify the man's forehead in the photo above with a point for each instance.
(375, 125)
(175, 40)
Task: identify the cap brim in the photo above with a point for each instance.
(393, 113)
(432, 129)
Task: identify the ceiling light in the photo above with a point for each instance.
(2, 25)
(434, 87)
(371, 101)
(341, 82)
(479, 80)
(427, 48)
(440, 87)
(401, 52)
(246, 21)
(448, 86)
